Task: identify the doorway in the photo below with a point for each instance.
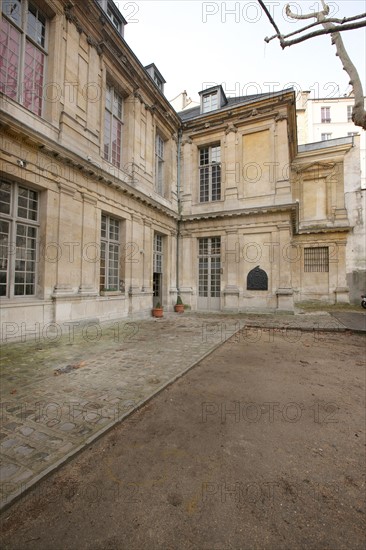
(209, 273)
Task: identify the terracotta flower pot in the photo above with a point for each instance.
(179, 308)
(157, 312)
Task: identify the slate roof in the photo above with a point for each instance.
(232, 102)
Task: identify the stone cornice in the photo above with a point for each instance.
(74, 160)
(292, 207)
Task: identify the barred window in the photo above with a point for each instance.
(210, 173)
(23, 53)
(316, 259)
(109, 254)
(18, 239)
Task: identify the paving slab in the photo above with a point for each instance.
(61, 391)
(351, 320)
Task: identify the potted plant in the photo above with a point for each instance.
(157, 311)
(179, 306)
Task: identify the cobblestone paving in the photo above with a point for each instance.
(61, 391)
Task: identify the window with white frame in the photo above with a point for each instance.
(19, 216)
(113, 14)
(158, 82)
(325, 137)
(113, 126)
(325, 115)
(349, 113)
(210, 102)
(158, 253)
(115, 20)
(23, 53)
(109, 253)
(210, 173)
(159, 164)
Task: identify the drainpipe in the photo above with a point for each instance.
(179, 203)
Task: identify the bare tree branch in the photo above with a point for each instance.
(330, 20)
(286, 43)
(359, 112)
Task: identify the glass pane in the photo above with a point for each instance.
(13, 9)
(4, 241)
(5, 190)
(25, 271)
(34, 61)
(36, 25)
(9, 59)
(27, 204)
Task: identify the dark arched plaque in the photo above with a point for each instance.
(257, 279)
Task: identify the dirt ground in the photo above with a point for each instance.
(260, 446)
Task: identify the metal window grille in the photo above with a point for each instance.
(316, 259)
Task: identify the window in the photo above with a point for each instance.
(158, 270)
(113, 126)
(209, 102)
(109, 254)
(18, 240)
(210, 173)
(325, 114)
(159, 164)
(23, 53)
(209, 267)
(316, 259)
(156, 76)
(115, 20)
(158, 82)
(113, 14)
(158, 253)
(325, 137)
(349, 113)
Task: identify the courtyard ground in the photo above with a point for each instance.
(260, 445)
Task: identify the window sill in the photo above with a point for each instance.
(111, 293)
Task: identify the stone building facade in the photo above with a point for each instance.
(111, 201)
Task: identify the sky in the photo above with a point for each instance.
(198, 43)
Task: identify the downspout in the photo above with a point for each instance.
(179, 204)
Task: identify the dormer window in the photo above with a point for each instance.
(113, 14)
(156, 75)
(116, 22)
(212, 99)
(209, 102)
